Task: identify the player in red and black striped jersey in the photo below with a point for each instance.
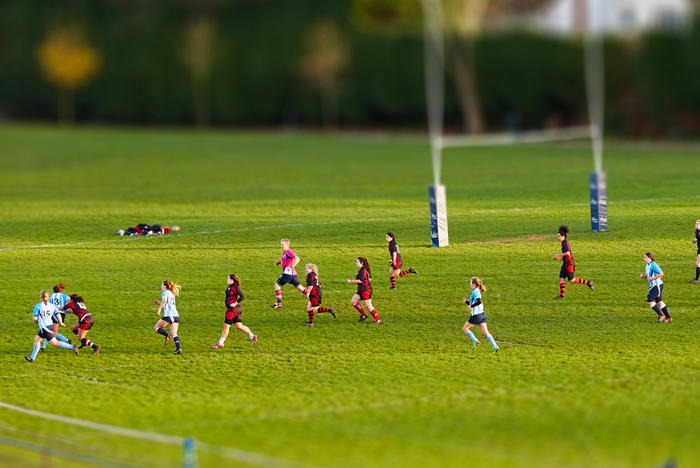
(568, 266)
(234, 296)
(85, 321)
(697, 260)
(364, 290)
(396, 262)
(313, 285)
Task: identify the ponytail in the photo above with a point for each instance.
(235, 278)
(563, 230)
(172, 287)
(477, 282)
(365, 263)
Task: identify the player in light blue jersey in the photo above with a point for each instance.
(652, 273)
(477, 315)
(58, 299)
(170, 315)
(42, 314)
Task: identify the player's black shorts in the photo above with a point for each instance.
(54, 318)
(291, 279)
(172, 320)
(567, 271)
(233, 315)
(477, 319)
(46, 334)
(315, 301)
(655, 293)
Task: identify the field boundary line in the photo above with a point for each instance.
(350, 221)
(244, 456)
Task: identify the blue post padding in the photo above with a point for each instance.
(599, 201)
(434, 238)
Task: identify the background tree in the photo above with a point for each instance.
(69, 62)
(326, 57)
(197, 53)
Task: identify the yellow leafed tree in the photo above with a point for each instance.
(325, 59)
(197, 53)
(69, 62)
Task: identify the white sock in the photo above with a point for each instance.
(251, 336)
(221, 340)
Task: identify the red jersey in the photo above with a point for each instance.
(233, 294)
(365, 280)
(566, 247)
(77, 308)
(393, 247)
(314, 282)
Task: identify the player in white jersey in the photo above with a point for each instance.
(58, 299)
(171, 316)
(477, 315)
(652, 273)
(42, 313)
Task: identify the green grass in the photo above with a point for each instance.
(588, 381)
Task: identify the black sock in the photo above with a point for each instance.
(697, 273)
(657, 310)
(665, 311)
(94, 346)
(177, 342)
(162, 332)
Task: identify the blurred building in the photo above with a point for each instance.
(622, 16)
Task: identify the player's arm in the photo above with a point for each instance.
(355, 281)
(394, 254)
(240, 296)
(295, 261)
(160, 305)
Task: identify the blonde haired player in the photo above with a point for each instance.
(171, 317)
(477, 315)
(289, 260)
(42, 313)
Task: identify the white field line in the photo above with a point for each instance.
(231, 453)
(352, 221)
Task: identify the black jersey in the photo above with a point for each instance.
(365, 280)
(313, 281)
(233, 294)
(394, 247)
(566, 247)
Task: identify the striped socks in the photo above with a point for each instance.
(471, 336)
(562, 288)
(278, 296)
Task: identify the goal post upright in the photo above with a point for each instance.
(595, 93)
(434, 49)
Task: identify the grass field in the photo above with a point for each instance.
(587, 381)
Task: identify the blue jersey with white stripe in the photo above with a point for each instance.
(169, 309)
(476, 309)
(59, 300)
(653, 269)
(44, 313)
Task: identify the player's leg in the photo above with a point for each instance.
(355, 301)
(485, 331)
(372, 310)
(468, 333)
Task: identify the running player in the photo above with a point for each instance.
(58, 299)
(84, 323)
(42, 313)
(477, 316)
(289, 274)
(697, 260)
(364, 290)
(652, 273)
(313, 284)
(396, 262)
(568, 266)
(234, 296)
(171, 316)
